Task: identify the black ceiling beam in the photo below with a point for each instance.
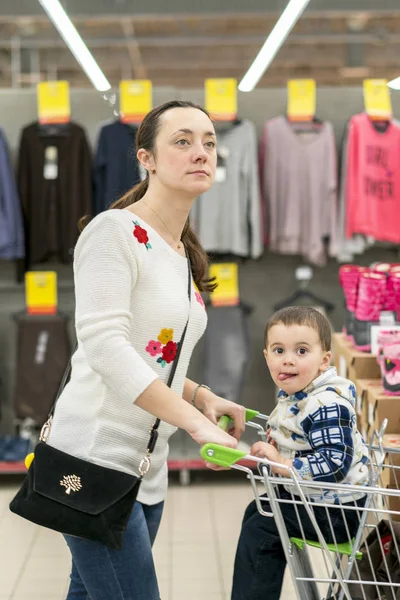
(157, 41)
(92, 8)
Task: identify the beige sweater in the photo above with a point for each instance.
(131, 309)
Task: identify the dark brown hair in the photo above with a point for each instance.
(302, 315)
(146, 138)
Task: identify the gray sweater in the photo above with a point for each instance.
(228, 218)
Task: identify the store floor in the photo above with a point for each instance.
(194, 551)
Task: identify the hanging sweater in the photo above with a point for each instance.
(228, 217)
(299, 185)
(11, 226)
(316, 428)
(373, 180)
(346, 247)
(132, 306)
(116, 168)
(53, 207)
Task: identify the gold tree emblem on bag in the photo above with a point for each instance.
(71, 483)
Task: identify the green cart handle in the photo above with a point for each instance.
(221, 455)
(225, 420)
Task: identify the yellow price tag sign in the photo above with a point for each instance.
(41, 292)
(302, 98)
(221, 98)
(136, 99)
(53, 102)
(227, 292)
(377, 99)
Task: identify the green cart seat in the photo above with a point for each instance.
(345, 548)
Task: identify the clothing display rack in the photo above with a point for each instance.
(237, 222)
(303, 295)
(42, 352)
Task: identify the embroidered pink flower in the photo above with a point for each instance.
(199, 299)
(154, 348)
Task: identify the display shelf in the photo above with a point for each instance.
(12, 468)
(198, 464)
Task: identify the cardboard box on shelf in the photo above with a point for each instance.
(380, 407)
(394, 504)
(350, 362)
(390, 478)
(362, 387)
(391, 474)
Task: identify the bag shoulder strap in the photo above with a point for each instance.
(153, 432)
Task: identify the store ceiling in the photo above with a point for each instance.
(179, 45)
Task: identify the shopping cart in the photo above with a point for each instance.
(366, 567)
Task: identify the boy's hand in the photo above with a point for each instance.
(263, 450)
(271, 440)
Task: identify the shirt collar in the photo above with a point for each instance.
(317, 382)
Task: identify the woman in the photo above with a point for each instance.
(132, 305)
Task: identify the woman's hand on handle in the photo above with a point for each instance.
(164, 403)
(215, 407)
(206, 432)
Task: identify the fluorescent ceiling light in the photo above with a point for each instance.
(395, 84)
(75, 43)
(272, 44)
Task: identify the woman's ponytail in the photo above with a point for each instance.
(198, 259)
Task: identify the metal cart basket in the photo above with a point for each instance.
(366, 567)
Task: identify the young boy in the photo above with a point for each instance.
(312, 430)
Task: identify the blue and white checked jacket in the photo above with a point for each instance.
(317, 429)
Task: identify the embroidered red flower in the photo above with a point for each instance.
(154, 348)
(169, 352)
(140, 234)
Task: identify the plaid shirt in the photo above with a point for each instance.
(329, 431)
(317, 428)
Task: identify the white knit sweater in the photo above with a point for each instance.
(131, 309)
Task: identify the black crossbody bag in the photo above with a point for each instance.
(76, 497)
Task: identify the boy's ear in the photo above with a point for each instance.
(326, 361)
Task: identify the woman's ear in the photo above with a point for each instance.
(146, 159)
(265, 356)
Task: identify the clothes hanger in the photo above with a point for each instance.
(303, 294)
(381, 125)
(132, 126)
(304, 275)
(301, 126)
(224, 126)
(53, 129)
(23, 313)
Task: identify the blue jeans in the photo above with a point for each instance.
(99, 573)
(260, 560)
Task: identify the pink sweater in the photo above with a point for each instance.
(373, 180)
(298, 182)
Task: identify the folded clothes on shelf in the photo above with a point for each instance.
(14, 448)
